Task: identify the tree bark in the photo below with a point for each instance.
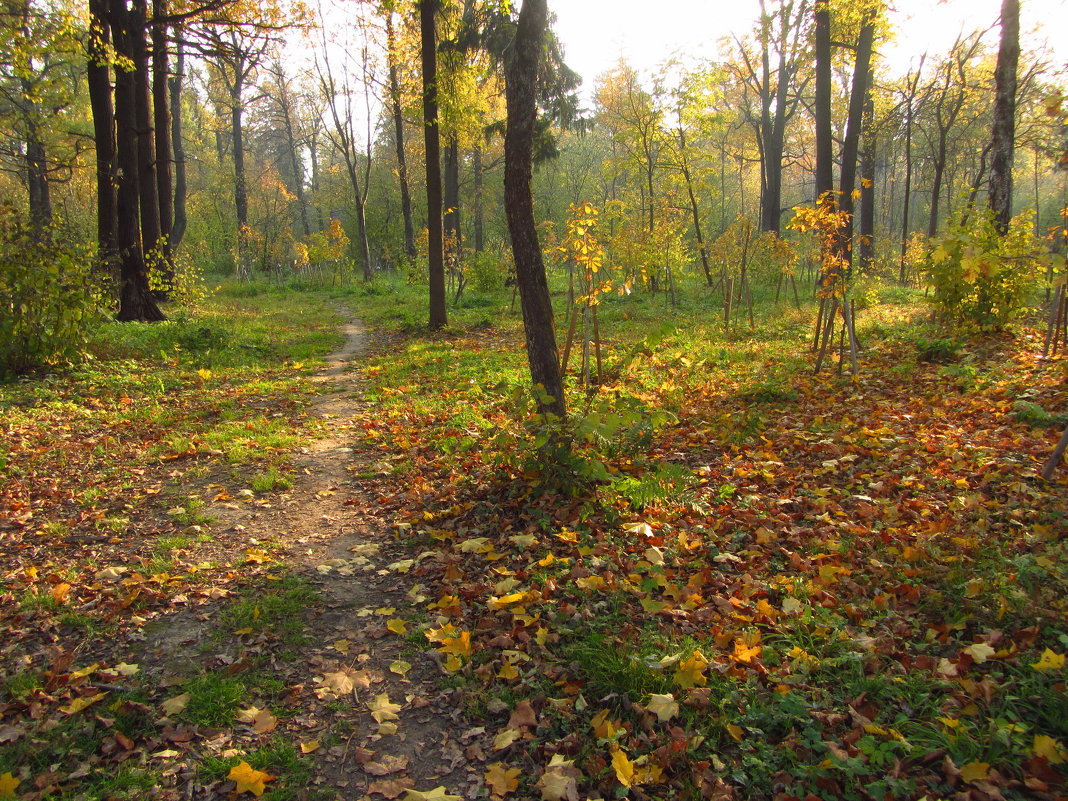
(432, 140)
(858, 94)
(40, 196)
(867, 182)
(103, 132)
(1003, 134)
(161, 115)
(398, 135)
(148, 193)
(521, 78)
(477, 215)
(135, 298)
(181, 187)
(824, 143)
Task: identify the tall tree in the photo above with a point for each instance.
(432, 143)
(100, 101)
(521, 95)
(1003, 135)
(396, 112)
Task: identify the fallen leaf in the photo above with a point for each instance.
(390, 788)
(1049, 660)
(248, 779)
(505, 739)
(386, 765)
(400, 667)
(522, 715)
(397, 625)
(174, 706)
(78, 704)
(975, 771)
(691, 672)
(60, 592)
(980, 652)
(261, 720)
(1050, 748)
(8, 785)
(382, 709)
(309, 747)
(623, 767)
(501, 779)
(437, 794)
(663, 706)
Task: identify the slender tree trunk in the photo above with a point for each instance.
(103, 133)
(867, 183)
(824, 143)
(851, 144)
(451, 199)
(685, 168)
(1003, 134)
(237, 139)
(908, 185)
(162, 118)
(521, 91)
(398, 135)
(936, 193)
(477, 210)
(432, 140)
(181, 187)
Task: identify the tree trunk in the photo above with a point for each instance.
(181, 187)
(824, 143)
(451, 200)
(685, 167)
(858, 94)
(237, 139)
(867, 183)
(135, 298)
(477, 211)
(432, 140)
(908, 177)
(1004, 116)
(162, 118)
(103, 132)
(398, 135)
(521, 88)
(148, 193)
(40, 199)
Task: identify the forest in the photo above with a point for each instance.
(388, 411)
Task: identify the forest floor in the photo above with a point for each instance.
(230, 568)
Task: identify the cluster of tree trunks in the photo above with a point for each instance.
(130, 227)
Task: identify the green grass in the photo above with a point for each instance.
(271, 480)
(214, 699)
(275, 607)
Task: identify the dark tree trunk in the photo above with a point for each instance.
(135, 298)
(398, 134)
(858, 95)
(684, 166)
(148, 193)
(824, 143)
(161, 115)
(294, 158)
(1005, 115)
(40, 196)
(936, 190)
(181, 187)
(451, 201)
(103, 132)
(521, 82)
(432, 139)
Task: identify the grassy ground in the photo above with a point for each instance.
(742, 581)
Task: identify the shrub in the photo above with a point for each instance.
(980, 279)
(49, 297)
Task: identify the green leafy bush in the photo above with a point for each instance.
(980, 279)
(49, 297)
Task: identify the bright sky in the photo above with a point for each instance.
(596, 33)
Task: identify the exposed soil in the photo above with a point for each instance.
(329, 529)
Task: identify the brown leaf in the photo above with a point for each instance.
(522, 715)
(387, 765)
(391, 788)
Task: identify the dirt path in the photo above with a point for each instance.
(328, 528)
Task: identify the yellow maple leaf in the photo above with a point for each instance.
(1049, 660)
(508, 671)
(459, 645)
(8, 785)
(980, 652)
(248, 779)
(590, 583)
(382, 709)
(60, 592)
(623, 767)
(397, 625)
(691, 672)
(309, 747)
(736, 732)
(1051, 749)
(501, 779)
(78, 704)
(975, 771)
(744, 653)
